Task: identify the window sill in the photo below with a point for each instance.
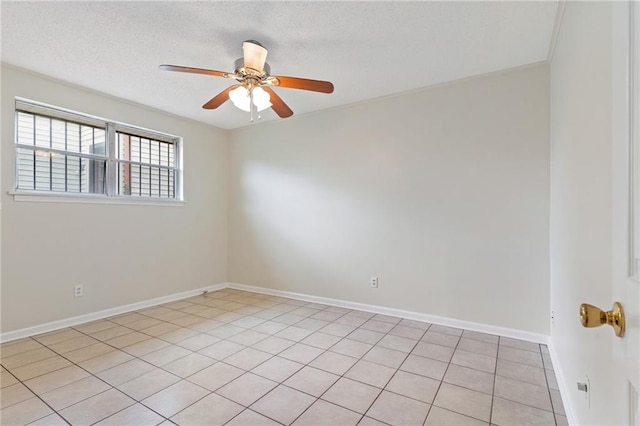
(43, 197)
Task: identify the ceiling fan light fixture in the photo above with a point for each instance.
(252, 90)
(241, 98)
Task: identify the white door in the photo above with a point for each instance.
(626, 203)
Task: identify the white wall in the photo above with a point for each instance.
(442, 193)
(120, 253)
(581, 215)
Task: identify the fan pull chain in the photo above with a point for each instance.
(251, 103)
(252, 106)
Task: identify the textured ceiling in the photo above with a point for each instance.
(367, 49)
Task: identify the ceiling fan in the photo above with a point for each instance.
(253, 88)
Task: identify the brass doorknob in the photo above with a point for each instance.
(592, 316)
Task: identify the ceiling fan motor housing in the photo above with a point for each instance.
(239, 64)
(254, 42)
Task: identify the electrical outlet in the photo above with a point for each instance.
(374, 282)
(77, 290)
(553, 318)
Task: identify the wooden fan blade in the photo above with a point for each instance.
(305, 84)
(278, 104)
(178, 68)
(220, 98)
(255, 55)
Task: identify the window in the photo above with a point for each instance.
(63, 152)
(145, 166)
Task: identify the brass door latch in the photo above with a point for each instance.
(592, 316)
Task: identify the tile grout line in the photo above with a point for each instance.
(495, 376)
(443, 376)
(553, 408)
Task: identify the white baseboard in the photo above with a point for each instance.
(68, 322)
(563, 385)
(433, 319)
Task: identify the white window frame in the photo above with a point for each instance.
(111, 127)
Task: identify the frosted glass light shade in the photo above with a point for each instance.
(261, 98)
(241, 98)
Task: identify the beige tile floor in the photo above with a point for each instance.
(238, 358)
